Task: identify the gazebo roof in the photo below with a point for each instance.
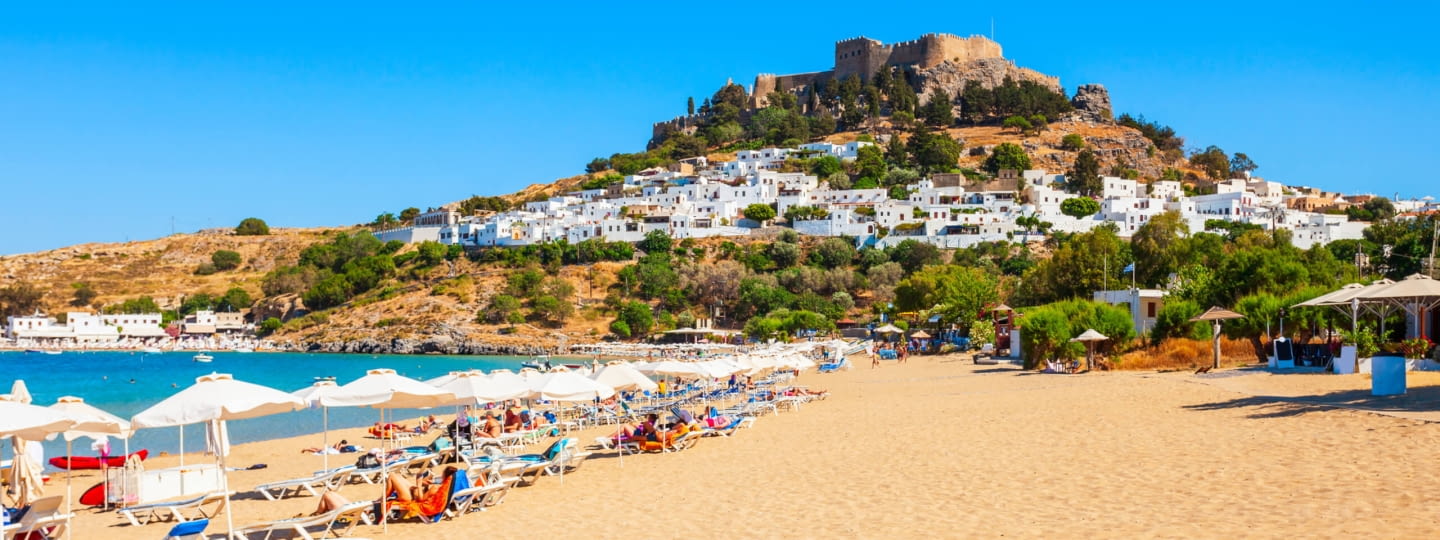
(1217, 313)
(1090, 335)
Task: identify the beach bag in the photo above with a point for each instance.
(367, 461)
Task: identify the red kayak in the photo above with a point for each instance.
(90, 462)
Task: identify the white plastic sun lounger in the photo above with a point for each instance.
(354, 512)
(478, 498)
(324, 480)
(140, 515)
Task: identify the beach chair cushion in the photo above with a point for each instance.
(188, 530)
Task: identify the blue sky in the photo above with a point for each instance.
(114, 120)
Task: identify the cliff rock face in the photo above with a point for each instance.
(991, 72)
(1092, 103)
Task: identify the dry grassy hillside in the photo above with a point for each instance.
(163, 268)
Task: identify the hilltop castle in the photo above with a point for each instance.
(943, 61)
(863, 56)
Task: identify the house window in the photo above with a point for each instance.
(1150, 310)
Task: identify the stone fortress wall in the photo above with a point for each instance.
(863, 57)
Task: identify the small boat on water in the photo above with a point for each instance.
(329, 378)
(50, 351)
(539, 363)
(151, 350)
(204, 358)
(244, 349)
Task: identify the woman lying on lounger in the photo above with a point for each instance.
(340, 448)
(396, 484)
(645, 430)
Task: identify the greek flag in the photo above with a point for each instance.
(1128, 268)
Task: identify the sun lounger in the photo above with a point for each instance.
(175, 510)
(351, 514)
(478, 498)
(324, 480)
(190, 530)
(729, 429)
(43, 518)
(831, 367)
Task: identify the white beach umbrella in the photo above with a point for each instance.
(568, 386)
(384, 389)
(622, 376)
(673, 368)
(508, 381)
(311, 396)
(476, 387)
(90, 421)
(215, 399)
(25, 422)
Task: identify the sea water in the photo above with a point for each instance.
(124, 383)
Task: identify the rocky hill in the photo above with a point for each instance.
(163, 269)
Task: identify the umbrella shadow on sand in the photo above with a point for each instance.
(1424, 399)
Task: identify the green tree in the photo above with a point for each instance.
(225, 260)
(1072, 142)
(656, 241)
(833, 253)
(1017, 123)
(1084, 175)
(914, 255)
(824, 166)
(637, 317)
(760, 213)
(1173, 321)
(409, 214)
(252, 227)
(934, 152)
(385, 221)
(431, 253)
(620, 328)
(956, 293)
(690, 105)
(550, 309)
(1007, 156)
(870, 163)
(83, 295)
(1160, 248)
(976, 101)
(329, 292)
(1213, 161)
(1079, 207)
(234, 300)
(501, 309)
(1241, 164)
(784, 254)
(524, 283)
(940, 111)
(269, 326)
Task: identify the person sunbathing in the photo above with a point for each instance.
(492, 428)
(406, 490)
(512, 420)
(329, 502)
(339, 448)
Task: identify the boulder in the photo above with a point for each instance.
(1092, 103)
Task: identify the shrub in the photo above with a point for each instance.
(252, 227)
(225, 260)
(269, 326)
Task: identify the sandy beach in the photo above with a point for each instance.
(940, 447)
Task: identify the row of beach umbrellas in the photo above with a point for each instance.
(218, 398)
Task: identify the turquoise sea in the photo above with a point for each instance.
(104, 379)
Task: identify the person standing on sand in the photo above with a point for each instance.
(874, 359)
